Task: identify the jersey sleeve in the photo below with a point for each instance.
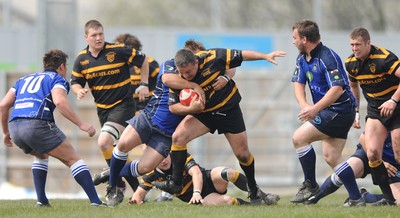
(297, 75)
(77, 76)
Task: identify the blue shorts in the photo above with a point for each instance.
(360, 153)
(35, 135)
(334, 124)
(151, 134)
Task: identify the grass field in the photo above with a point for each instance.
(329, 207)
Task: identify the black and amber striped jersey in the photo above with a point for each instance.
(154, 68)
(375, 75)
(107, 75)
(212, 64)
(159, 175)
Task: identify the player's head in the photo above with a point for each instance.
(194, 46)
(94, 35)
(360, 43)
(165, 163)
(56, 60)
(186, 63)
(308, 29)
(129, 40)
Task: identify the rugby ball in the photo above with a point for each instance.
(186, 96)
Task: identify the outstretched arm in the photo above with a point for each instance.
(254, 55)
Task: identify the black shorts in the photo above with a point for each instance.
(227, 121)
(334, 124)
(40, 136)
(120, 113)
(208, 188)
(391, 123)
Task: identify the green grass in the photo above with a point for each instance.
(329, 207)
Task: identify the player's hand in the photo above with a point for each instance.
(201, 93)
(196, 199)
(387, 108)
(143, 92)
(220, 82)
(82, 93)
(271, 56)
(307, 113)
(134, 201)
(356, 123)
(88, 128)
(392, 170)
(7, 140)
(196, 106)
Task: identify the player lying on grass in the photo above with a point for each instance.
(201, 186)
(359, 163)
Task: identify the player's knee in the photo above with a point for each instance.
(180, 138)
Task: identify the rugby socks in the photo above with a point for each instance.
(372, 198)
(178, 157)
(346, 175)
(331, 184)
(117, 162)
(307, 160)
(82, 176)
(238, 179)
(39, 172)
(380, 176)
(248, 169)
(130, 170)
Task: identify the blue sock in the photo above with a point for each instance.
(346, 175)
(371, 198)
(39, 172)
(117, 162)
(130, 170)
(82, 176)
(330, 185)
(307, 159)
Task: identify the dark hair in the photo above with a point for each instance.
(92, 24)
(308, 29)
(194, 45)
(184, 57)
(129, 40)
(53, 59)
(360, 32)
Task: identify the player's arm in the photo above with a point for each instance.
(174, 81)
(388, 107)
(5, 105)
(197, 179)
(144, 81)
(354, 88)
(223, 80)
(309, 113)
(196, 106)
(59, 96)
(79, 91)
(254, 55)
(300, 95)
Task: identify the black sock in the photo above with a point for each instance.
(178, 158)
(380, 176)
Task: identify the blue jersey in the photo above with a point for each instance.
(33, 98)
(158, 108)
(323, 71)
